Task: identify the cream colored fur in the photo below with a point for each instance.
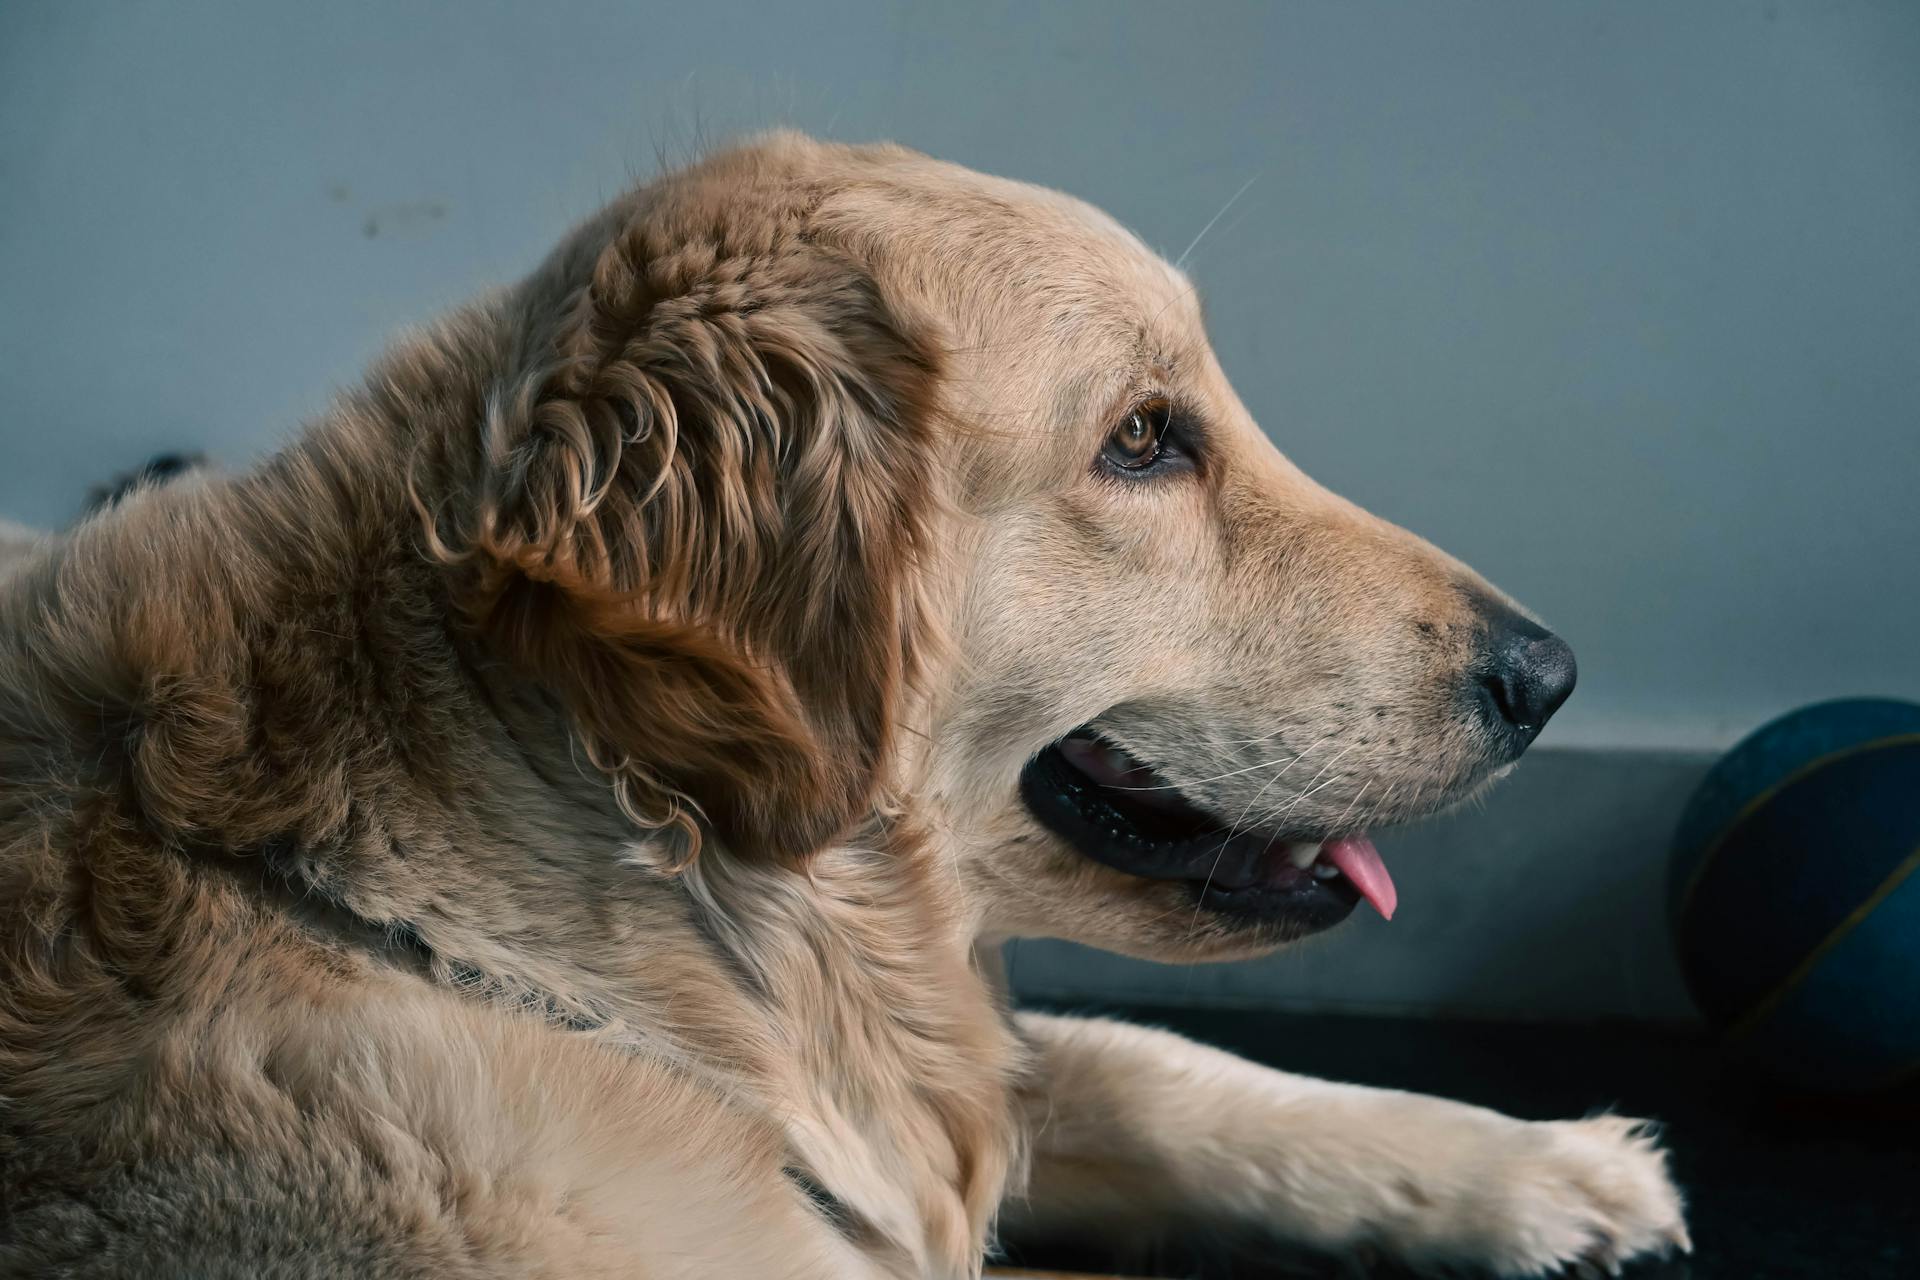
(544, 821)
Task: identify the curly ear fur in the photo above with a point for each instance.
(696, 524)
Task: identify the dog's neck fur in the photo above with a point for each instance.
(265, 711)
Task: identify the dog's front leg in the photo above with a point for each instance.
(1137, 1132)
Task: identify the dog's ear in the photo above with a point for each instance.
(697, 525)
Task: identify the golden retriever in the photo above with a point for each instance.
(555, 817)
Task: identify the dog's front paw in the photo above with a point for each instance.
(1568, 1195)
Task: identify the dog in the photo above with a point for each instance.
(558, 816)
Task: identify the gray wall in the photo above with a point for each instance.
(1618, 301)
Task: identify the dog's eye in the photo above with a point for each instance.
(1141, 437)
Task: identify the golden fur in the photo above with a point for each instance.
(553, 819)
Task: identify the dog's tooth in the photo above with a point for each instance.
(1325, 871)
(1301, 853)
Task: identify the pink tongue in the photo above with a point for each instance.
(1360, 863)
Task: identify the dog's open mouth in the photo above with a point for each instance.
(1120, 811)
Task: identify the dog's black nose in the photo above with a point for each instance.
(1525, 673)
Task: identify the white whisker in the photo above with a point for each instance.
(1314, 785)
(1358, 796)
(1231, 773)
(1231, 200)
(1234, 830)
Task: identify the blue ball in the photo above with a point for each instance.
(1795, 897)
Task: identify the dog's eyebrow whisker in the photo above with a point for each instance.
(1231, 201)
(1186, 292)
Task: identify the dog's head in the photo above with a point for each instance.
(830, 479)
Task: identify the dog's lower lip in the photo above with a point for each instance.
(1116, 810)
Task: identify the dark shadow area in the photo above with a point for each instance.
(1778, 1185)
